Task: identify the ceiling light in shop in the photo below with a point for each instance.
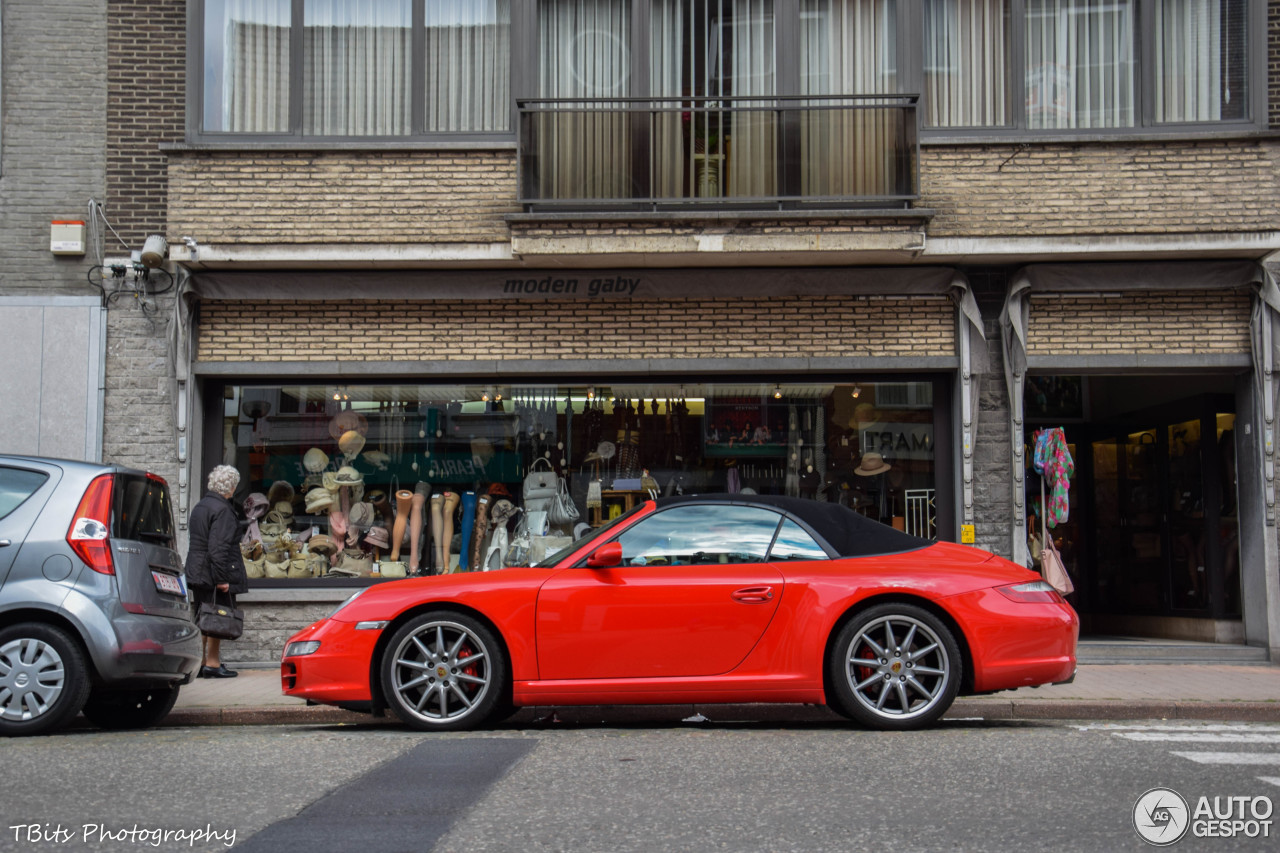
(857, 391)
(777, 392)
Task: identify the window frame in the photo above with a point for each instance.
(294, 137)
(1144, 87)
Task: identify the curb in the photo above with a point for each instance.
(986, 709)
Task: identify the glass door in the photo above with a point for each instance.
(1130, 554)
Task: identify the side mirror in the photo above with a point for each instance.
(606, 556)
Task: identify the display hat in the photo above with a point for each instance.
(319, 500)
(362, 515)
(348, 476)
(377, 459)
(872, 463)
(330, 480)
(351, 443)
(279, 491)
(284, 509)
(606, 449)
(321, 544)
(501, 511)
(315, 460)
(255, 506)
(378, 537)
(348, 420)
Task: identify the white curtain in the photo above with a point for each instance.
(583, 53)
(751, 140)
(666, 81)
(246, 66)
(468, 66)
(848, 47)
(966, 63)
(1080, 63)
(1189, 46)
(356, 67)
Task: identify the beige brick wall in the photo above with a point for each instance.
(1183, 322)
(817, 327)
(341, 197)
(1102, 188)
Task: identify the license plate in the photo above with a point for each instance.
(172, 584)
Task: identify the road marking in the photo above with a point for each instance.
(1270, 780)
(1203, 737)
(1186, 727)
(1232, 757)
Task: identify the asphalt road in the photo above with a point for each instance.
(696, 786)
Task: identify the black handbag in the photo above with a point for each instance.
(220, 620)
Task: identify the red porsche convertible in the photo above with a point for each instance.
(698, 599)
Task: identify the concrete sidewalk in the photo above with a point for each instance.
(1146, 691)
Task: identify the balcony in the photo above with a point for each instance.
(748, 153)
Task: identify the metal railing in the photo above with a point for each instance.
(767, 152)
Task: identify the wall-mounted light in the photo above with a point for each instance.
(497, 396)
(857, 391)
(485, 395)
(341, 393)
(591, 393)
(777, 392)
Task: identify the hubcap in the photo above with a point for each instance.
(897, 667)
(31, 679)
(441, 671)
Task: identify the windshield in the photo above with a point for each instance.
(552, 559)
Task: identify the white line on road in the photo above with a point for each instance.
(1270, 780)
(1203, 737)
(1232, 757)
(1186, 727)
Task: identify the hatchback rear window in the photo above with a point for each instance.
(142, 510)
(16, 485)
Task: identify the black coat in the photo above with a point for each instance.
(213, 552)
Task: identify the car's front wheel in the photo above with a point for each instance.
(894, 666)
(443, 671)
(130, 709)
(44, 679)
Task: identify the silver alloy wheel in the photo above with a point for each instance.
(897, 667)
(441, 672)
(32, 676)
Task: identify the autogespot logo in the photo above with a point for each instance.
(1161, 816)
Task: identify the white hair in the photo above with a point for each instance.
(223, 479)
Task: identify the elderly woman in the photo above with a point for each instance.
(215, 566)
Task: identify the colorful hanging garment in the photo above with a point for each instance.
(1053, 461)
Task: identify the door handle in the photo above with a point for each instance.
(753, 594)
(5, 543)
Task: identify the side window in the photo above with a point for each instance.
(795, 544)
(16, 485)
(700, 535)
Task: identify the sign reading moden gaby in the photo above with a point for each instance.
(591, 287)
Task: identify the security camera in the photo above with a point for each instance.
(154, 252)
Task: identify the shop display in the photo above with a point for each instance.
(388, 481)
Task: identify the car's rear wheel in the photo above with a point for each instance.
(44, 680)
(894, 666)
(444, 671)
(130, 709)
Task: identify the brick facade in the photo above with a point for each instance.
(355, 331)
(1182, 323)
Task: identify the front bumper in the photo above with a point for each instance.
(338, 672)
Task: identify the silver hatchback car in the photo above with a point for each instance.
(93, 601)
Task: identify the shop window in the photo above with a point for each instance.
(440, 478)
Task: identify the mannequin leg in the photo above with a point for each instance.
(468, 521)
(437, 530)
(451, 500)
(478, 530)
(416, 515)
(404, 503)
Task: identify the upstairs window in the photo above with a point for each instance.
(335, 69)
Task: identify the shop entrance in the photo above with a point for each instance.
(1152, 540)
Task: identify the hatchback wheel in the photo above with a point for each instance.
(894, 666)
(130, 709)
(44, 679)
(444, 671)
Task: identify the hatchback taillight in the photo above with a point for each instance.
(90, 531)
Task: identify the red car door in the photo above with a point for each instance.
(692, 597)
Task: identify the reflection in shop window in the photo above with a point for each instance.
(370, 480)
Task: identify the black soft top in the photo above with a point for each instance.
(845, 531)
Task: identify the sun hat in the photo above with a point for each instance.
(351, 443)
(872, 463)
(280, 491)
(284, 508)
(378, 537)
(377, 459)
(315, 460)
(348, 476)
(348, 420)
(319, 500)
(330, 481)
(361, 515)
(322, 544)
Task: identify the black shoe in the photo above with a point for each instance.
(204, 672)
(220, 671)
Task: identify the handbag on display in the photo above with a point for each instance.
(393, 570)
(220, 620)
(562, 512)
(1055, 573)
(540, 486)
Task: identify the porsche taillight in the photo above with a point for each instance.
(1038, 592)
(90, 531)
